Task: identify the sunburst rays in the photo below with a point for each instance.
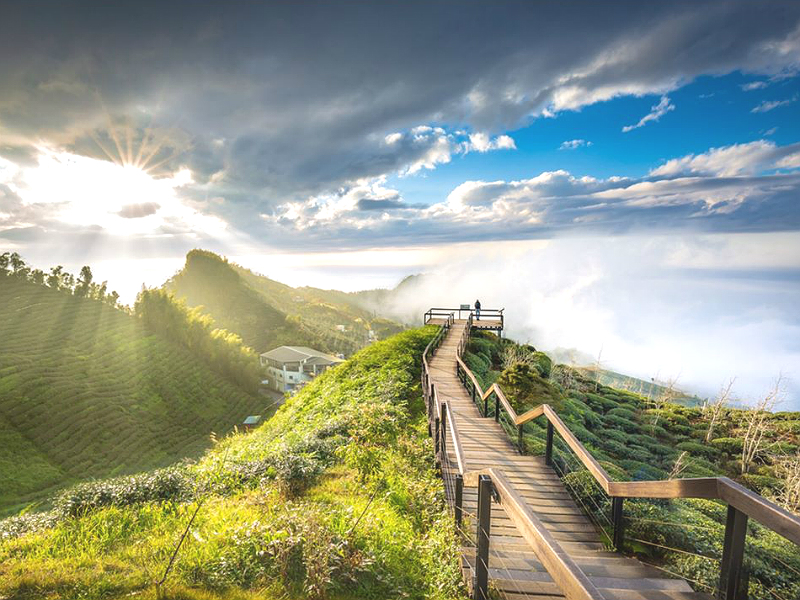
(144, 147)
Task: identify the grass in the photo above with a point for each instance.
(336, 496)
(86, 392)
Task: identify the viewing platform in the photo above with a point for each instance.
(487, 319)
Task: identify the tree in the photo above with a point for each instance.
(756, 421)
(788, 469)
(18, 266)
(37, 276)
(680, 466)
(4, 262)
(56, 278)
(84, 281)
(667, 395)
(713, 410)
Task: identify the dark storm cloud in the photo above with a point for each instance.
(274, 102)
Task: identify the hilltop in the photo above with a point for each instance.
(87, 390)
(266, 313)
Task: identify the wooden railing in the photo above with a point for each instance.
(488, 314)
(492, 483)
(742, 502)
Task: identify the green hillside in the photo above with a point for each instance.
(86, 391)
(646, 389)
(267, 314)
(640, 438)
(336, 496)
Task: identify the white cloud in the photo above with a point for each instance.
(730, 161)
(573, 144)
(754, 85)
(732, 188)
(481, 142)
(768, 105)
(656, 112)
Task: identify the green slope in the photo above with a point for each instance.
(635, 438)
(266, 313)
(86, 392)
(336, 496)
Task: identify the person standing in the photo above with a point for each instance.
(478, 310)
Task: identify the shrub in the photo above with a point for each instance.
(543, 364)
(175, 484)
(762, 483)
(695, 448)
(622, 412)
(642, 471)
(599, 403)
(616, 435)
(620, 423)
(728, 445)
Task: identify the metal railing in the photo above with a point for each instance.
(741, 502)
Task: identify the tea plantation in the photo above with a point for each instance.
(86, 391)
(639, 439)
(336, 496)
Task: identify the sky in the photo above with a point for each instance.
(623, 177)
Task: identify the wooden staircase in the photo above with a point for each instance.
(515, 571)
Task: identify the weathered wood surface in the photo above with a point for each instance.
(521, 562)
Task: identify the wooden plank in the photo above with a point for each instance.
(587, 459)
(759, 508)
(701, 487)
(574, 584)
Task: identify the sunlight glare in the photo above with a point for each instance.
(121, 199)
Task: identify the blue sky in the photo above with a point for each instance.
(712, 111)
(640, 162)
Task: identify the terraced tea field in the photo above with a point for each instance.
(86, 392)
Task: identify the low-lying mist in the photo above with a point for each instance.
(698, 309)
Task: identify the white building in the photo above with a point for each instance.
(291, 367)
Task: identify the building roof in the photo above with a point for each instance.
(252, 420)
(285, 354)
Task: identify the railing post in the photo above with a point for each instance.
(618, 521)
(730, 578)
(436, 439)
(481, 587)
(496, 407)
(443, 408)
(486, 406)
(459, 499)
(548, 449)
(519, 439)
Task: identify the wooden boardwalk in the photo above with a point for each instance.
(514, 570)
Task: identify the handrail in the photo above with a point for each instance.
(460, 459)
(769, 514)
(566, 574)
(444, 312)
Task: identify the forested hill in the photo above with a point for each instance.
(86, 390)
(267, 314)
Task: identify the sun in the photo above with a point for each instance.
(119, 198)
